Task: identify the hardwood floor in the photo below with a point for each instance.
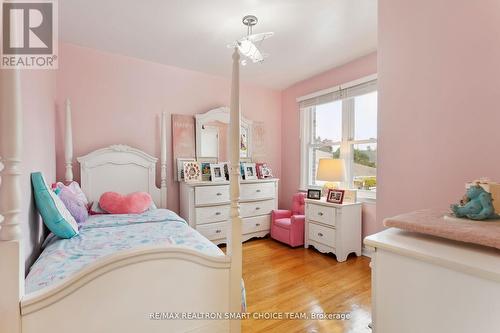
(279, 278)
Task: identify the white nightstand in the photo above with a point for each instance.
(333, 228)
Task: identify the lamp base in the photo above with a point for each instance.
(329, 186)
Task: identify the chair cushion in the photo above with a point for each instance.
(298, 203)
(283, 223)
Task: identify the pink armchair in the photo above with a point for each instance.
(288, 226)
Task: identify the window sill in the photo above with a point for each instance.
(367, 196)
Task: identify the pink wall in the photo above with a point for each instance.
(118, 99)
(439, 116)
(38, 101)
(290, 149)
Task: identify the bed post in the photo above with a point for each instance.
(11, 259)
(163, 161)
(234, 239)
(68, 149)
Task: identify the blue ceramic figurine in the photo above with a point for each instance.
(476, 204)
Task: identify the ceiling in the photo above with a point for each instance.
(311, 36)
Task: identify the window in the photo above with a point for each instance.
(341, 123)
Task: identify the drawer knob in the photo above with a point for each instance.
(218, 231)
(218, 213)
(320, 213)
(219, 194)
(320, 234)
(257, 208)
(257, 224)
(258, 191)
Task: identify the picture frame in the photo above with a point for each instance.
(192, 172)
(226, 169)
(335, 196)
(350, 196)
(206, 172)
(314, 194)
(180, 167)
(217, 172)
(263, 171)
(249, 171)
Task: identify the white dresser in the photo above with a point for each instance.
(333, 228)
(205, 206)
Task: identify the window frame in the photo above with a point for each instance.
(346, 144)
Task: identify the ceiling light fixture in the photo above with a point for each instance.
(246, 45)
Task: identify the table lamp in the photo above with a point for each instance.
(331, 170)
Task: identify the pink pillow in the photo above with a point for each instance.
(133, 203)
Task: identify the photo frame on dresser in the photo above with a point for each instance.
(217, 172)
(205, 163)
(335, 196)
(249, 171)
(313, 194)
(263, 171)
(205, 171)
(180, 167)
(192, 172)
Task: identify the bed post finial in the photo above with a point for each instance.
(234, 240)
(11, 257)
(68, 149)
(163, 161)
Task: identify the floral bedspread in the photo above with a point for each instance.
(103, 235)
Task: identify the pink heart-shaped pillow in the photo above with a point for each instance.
(133, 203)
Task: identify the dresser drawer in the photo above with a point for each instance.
(206, 195)
(254, 224)
(213, 230)
(212, 214)
(255, 191)
(248, 209)
(321, 234)
(321, 214)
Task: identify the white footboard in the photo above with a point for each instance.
(122, 293)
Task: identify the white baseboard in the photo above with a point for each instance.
(366, 252)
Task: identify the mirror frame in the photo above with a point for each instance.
(220, 114)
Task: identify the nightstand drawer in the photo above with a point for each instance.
(321, 214)
(205, 195)
(213, 230)
(321, 234)
(254, 224)
(255, 191)
(212, 214)
(256, 208)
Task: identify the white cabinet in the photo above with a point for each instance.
(333, 228)
(206, 207)
(422, 283)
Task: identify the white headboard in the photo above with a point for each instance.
(118, 168)
(121, 169)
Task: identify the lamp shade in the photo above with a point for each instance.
(331, 170)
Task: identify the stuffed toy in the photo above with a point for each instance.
(477, 204)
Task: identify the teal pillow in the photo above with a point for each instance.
(55, 215)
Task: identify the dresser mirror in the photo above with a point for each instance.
(212, 133)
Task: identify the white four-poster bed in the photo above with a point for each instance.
(119, 292)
